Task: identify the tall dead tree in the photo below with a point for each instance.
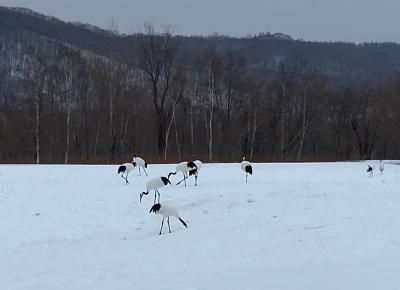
(69, 62)
(211, 96)
(157, 53)
(36, 73)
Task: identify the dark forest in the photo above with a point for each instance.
(71, 93)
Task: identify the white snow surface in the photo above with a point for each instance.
(292, 226)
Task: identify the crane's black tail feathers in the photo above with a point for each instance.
(192, 171)
(249, 169)
(145, 165)
(191, 164)
(165, 180)
(122, 168)
(155, 208)
(182, 221)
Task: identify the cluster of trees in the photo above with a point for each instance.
(64, 104)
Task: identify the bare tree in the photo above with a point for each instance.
(172, 120)
(157, 60)
(70, 59)
(211, 96)
(36, 70)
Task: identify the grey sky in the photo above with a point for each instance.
(332, 20)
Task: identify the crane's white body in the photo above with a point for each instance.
(166, 211)
(140, 163)
(381, 166)
(155, 184)
(186, 168)
(246, 167)
(182, 167)
(244, 164)
(128, 168)
(198, 164)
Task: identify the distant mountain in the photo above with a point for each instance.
(273, 36)
(264, 52)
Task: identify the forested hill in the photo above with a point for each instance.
(72, 92)
(367, 62)
(79, 35)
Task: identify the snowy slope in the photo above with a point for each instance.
(293, 226)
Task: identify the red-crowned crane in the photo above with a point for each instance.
(381, 166)
(155, 184)
(125, 168)
(166, 212)
(187, 169)
(246, 167)
(140, 163)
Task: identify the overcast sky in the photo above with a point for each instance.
(332, 20)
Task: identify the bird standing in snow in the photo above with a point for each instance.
(246, 167)
(125, 169)
(381, 166)
(198, 164)
(140, 163)
(155, 184)
(370, 170)
(166, 212)
(193, 172)
(187, 169)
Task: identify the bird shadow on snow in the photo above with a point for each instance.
(152, 231)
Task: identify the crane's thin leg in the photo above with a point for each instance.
(158, 196)
(195, 180)
(155, 195)
(169, 225)
(145, 171)
(184, 178)
(125, 178)
(139, 171)
(122, 175)
(246, 177)
(162, 223)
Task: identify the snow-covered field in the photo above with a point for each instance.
(293, 226)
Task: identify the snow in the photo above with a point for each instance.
(292, 226)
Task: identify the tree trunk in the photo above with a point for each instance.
(211, 89)
(283, 135)
(253, 137)
(210, 126)
(67, 141)
(125, 134)
(37, 128)
(161, 133)
(191, 128)
(304, 127)
(167, 133)
(111, 124)
(68, 104)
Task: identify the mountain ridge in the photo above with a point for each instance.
(264, 51)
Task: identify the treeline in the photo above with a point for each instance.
(60, 104)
